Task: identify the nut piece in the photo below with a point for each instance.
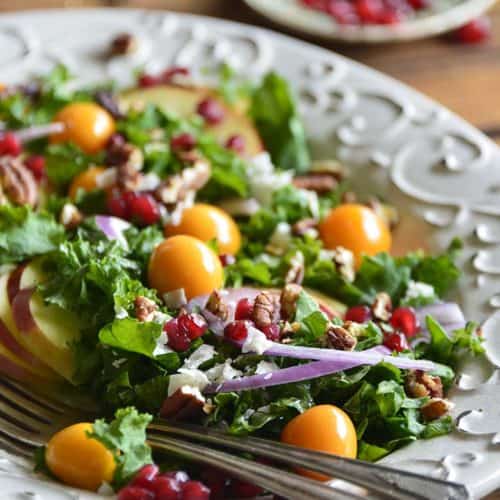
(184, 404)
(144, 308)
(216, 306)
(337, 337)
(295, 273)
(435, 408)
(304, 226)
(70, 216)
(329, 167)
(288, 299)
(265, 310)
(122, 44)
(17, 182)
(128, 178)
(344, 263)
(319, 183)
(420, 384)
(382, 307)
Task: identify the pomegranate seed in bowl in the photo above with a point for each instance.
(358, 314)
(405, 320)
(237, 330)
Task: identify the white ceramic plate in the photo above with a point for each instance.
(442, 16)
(442, 174)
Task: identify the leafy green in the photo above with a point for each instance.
(131, 335)
(275, 114)
(25, 234)
(125, 437)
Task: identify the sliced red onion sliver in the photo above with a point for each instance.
(38, 131)
(444, 313)
(290, 375)
(112, 227)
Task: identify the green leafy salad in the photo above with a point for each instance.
(173, 250)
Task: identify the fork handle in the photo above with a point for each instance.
(277, 481)
(384, 481)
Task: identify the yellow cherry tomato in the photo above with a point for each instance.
(322, 428)
(185, 262)
(86, 124)
(357, 228)
(86, 180)
(78, 460)
(207, 222)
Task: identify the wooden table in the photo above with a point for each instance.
(465, 79)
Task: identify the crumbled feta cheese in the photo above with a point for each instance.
(266, 367)
(204, 353)
(107, 178)
(313, 202)
(161, 345)
(160, 317)
(187, 377)
(417, 289)
(256, 342)
(281, 237)
(223, 372)
(105, 490)
(263, 180)
(149, 182)
(175, 298)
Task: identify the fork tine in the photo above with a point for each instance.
(15, 447)
(18, 433)
(277, 481)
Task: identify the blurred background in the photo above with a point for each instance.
(465, 77)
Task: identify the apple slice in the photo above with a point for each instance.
(13, 367)
(47, 331)
(183, 101)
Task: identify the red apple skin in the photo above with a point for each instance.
(11, 344)
(11, 369)
(21, 311)
(14, 282)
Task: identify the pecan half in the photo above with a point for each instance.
(382, 307)
(288, 299)
(419, 384)
(337, 337)
(302, 227)
(124, 43)
(70, 216)
(344, 263)
(265, 309)
(435, 408)
(319, 183)
(17, 182)
(328, 167)
(216, 305)
(128, 177)
(295, 273)
(144, 308)
(184, 404)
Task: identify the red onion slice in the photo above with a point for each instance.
(112, 227)
(290, 375)
(445, 313)
(38, 131)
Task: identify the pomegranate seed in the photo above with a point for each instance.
(236, 143)
(180, 476)
(405, 320)
(194, 490)
(216, 480)
(144, 210)
(193, 325)
(272, 332)
(36, 164)
(369, 10)
(144, 478)
(242, 489)
(135, 493)
(183, 142)
(395, 342)
(10, 145)
(244, 309)
(358, 314)
(226, 259)
(211, 111)
(237, 331)
(177, 339)
(419, 4)
(477, 31)
(117, 206)
(146, 80)
(115, 141)
(168, 75)
(166, 488)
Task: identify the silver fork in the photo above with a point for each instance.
(28, 420)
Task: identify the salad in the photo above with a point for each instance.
(173, 250)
